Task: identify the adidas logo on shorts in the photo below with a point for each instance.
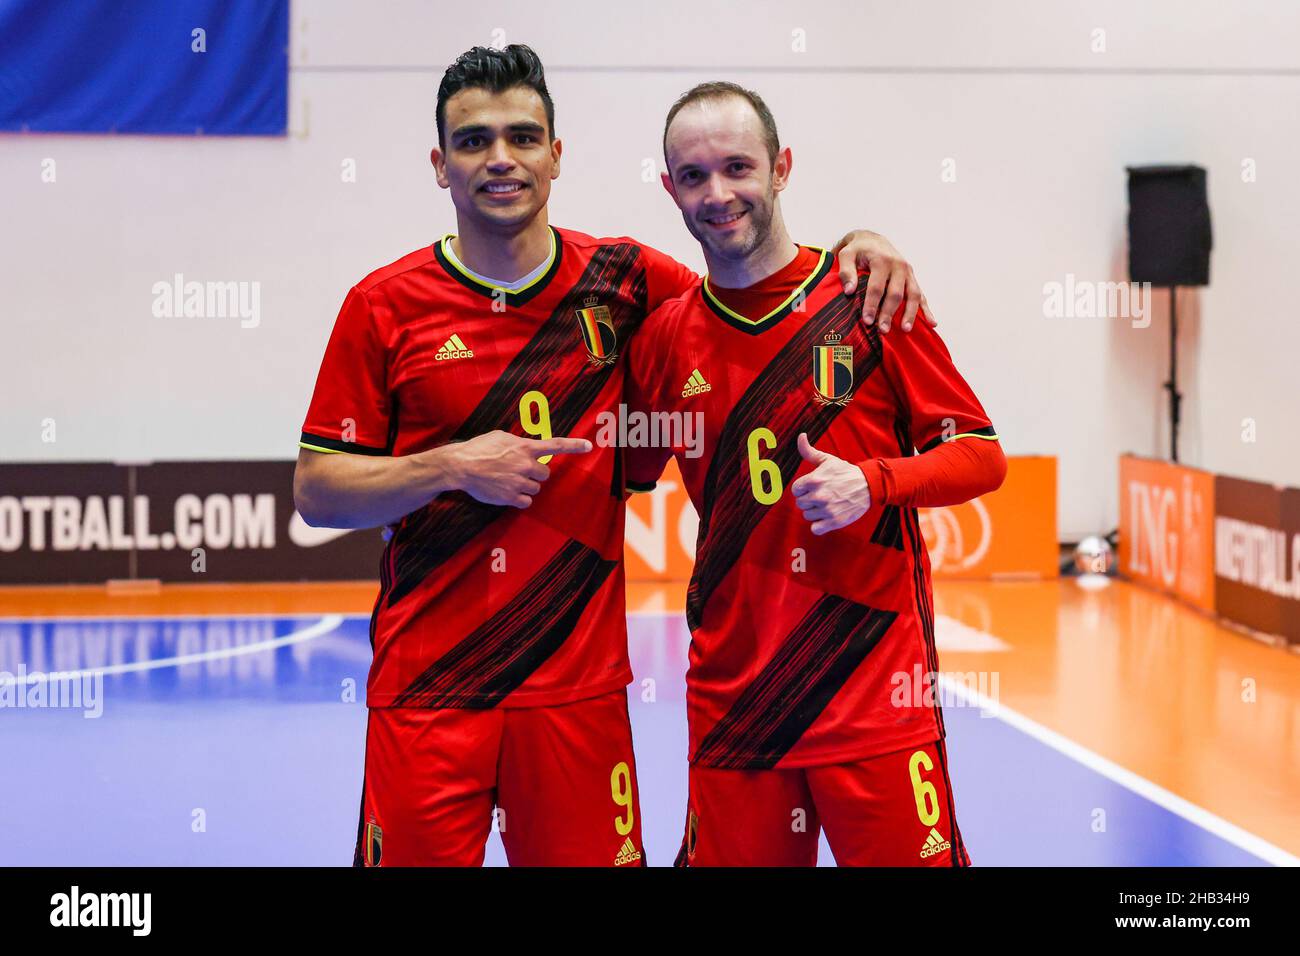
(934, 843)
(453, 348)
(628, 853)
(695, 385)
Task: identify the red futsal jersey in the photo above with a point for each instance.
(804, 648)
(481, 605)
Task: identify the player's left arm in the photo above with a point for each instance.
(961, 457)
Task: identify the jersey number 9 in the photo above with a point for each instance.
(535, 417)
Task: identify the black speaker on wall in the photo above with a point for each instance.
(1169, 242)
(1169, 237)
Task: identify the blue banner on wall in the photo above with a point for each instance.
(145, 66)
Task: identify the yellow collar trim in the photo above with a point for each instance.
(455, 263)
(799, 290)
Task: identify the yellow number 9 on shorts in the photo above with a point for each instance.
(620, 788)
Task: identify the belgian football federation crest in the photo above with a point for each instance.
(833, 371)
(597, 332)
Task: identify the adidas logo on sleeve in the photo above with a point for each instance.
(453, 348)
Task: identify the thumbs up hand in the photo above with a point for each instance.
(834, 494)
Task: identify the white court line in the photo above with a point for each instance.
(324, 626)
(1229, 832)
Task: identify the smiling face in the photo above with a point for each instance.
(499, 159)
(721, 177)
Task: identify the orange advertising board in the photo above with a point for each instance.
(1166, 528)
(659, 537)
(1008, 533)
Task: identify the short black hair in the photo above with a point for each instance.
(495, 71)
(719, 89)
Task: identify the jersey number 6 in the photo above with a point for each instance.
(927, 800)
(764, 476)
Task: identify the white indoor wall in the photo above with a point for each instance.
(1039, 126)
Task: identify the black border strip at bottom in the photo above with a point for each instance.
(989, 906)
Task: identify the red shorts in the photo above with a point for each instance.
(892, 810)
(558, 782)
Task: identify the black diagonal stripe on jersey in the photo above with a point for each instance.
(501, 653)
(731, 512)
(816, 659)
(553, 360)
(889, 531)
(550, 351)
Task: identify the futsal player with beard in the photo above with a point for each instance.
(458, 401)
(810, 596)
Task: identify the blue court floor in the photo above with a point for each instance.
(228, 741)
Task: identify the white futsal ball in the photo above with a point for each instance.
(1094, 555)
